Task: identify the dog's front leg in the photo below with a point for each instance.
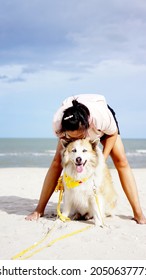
(66, 206)
(97, 213)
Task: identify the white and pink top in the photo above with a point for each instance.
(101, 120)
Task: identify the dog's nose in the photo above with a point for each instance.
(78, 160)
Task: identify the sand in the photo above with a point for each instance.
(121, 238)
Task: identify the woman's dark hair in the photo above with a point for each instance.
(75, 117)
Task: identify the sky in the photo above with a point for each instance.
(50, 50)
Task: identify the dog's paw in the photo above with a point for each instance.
(76, 216)
(88, 217)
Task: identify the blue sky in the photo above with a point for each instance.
(53, 49)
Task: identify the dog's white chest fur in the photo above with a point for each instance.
(78, 195)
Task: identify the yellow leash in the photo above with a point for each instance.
(22, 254)
(98, 205)
(62, 217)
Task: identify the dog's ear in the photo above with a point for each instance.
(64, 143)
(94, 143)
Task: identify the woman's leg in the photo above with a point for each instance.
(127, 179)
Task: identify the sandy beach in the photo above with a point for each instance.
(48, 239)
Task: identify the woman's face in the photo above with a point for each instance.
(76, 134)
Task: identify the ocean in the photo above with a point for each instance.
(18, 152)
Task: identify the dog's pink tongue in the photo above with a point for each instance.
(79, 168)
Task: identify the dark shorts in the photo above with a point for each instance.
(114, 115)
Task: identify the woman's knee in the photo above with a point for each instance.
(118, 154)
(121, 162)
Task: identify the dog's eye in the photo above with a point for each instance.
(84, 150)
(74, 150)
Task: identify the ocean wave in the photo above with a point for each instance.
(51, 152)
(137, 153)
(25, 154)
(141, 151)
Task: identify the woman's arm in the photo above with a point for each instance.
(49, 185)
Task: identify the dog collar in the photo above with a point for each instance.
(71, 183)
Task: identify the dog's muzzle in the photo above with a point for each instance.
(80, 164)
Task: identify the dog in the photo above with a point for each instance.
(88, 186)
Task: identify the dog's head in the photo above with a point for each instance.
(80, 155)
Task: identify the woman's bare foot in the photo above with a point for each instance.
(34, 216)
(141, 219)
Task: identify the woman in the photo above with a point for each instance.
(89, 115)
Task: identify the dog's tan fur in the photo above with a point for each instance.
(83, 162)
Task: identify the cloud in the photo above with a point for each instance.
(45, 31)
(3, 77)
